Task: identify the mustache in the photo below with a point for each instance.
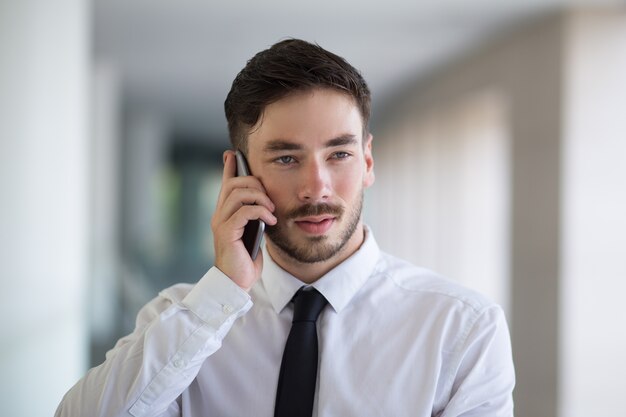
(314, 210)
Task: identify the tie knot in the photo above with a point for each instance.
(308, 303)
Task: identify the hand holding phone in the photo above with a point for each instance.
(242, 210)
(253, 231)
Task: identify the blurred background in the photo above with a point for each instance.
(499, 142)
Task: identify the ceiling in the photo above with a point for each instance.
(178, 58)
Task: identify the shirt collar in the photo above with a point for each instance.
(338, 285)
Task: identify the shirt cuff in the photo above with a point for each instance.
(216, 299)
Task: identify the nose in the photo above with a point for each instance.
(314, 182)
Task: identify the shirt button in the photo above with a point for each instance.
(226, 309)
(179, 363)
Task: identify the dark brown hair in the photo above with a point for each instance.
(288, 66)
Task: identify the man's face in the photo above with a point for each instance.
(308, 151)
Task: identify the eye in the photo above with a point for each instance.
(340, 155)
(285, 160)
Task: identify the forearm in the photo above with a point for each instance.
(147, 371)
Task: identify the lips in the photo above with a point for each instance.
(315, 225)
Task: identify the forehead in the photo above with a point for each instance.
(307, 118)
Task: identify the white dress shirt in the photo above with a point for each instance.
(395, 340)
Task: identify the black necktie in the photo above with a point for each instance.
(298, 370)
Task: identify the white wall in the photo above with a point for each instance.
(43, 212)
(593, 331)
(441, 198)
(104, 195)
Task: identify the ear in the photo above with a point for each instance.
(368, 176)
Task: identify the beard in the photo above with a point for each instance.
(316, 248)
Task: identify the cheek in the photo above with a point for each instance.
(348, 185)
(279, 189)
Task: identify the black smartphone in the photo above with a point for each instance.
(253, 232)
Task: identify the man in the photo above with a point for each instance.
(394, 339)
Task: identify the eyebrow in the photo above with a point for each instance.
(278, 145)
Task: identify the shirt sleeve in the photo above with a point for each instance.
(483, 375)
(146, 371)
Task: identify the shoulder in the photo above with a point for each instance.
(416, 282)
(449, 313)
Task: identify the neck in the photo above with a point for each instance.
(311, 272)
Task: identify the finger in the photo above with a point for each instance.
(227, 173)
(230, 165)
(239, 197)
(247, 213)
(231, 227)
(230, 181)
(245, 196)
(242, 182)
